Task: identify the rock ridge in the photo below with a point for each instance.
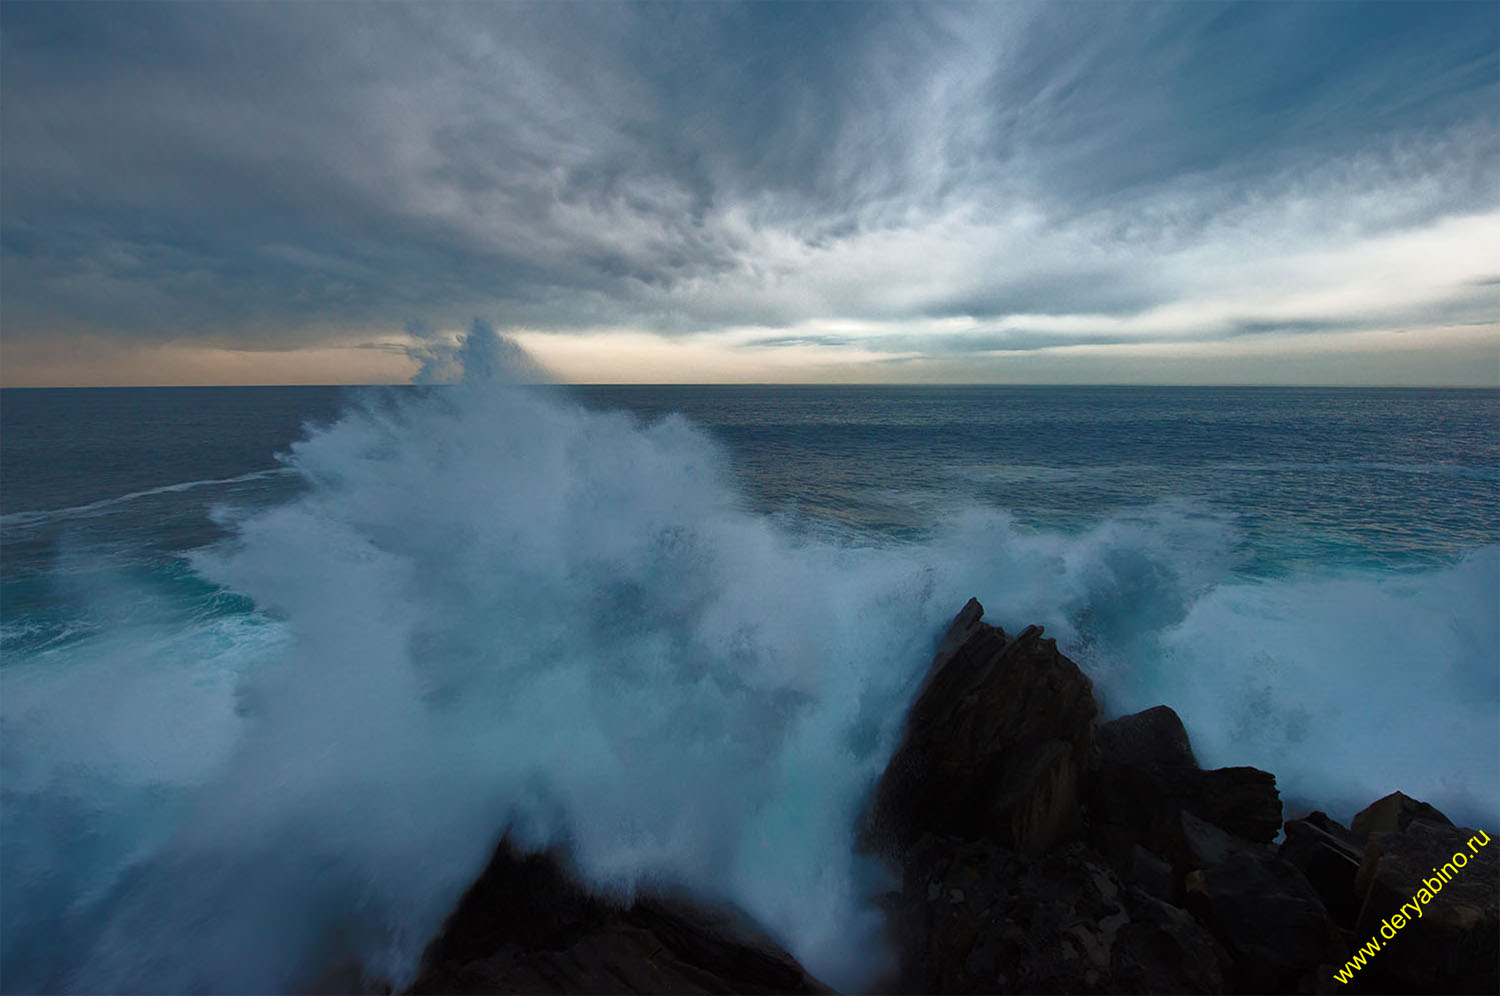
(1100, 857)
(1038, 850)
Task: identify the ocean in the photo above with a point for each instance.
(280, 663)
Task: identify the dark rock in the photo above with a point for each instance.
(999, 772)
(976, 917)
(964, 625)
(1205, 845)
(1132, 806)
(1149, 872)
(1334, 828)
(1262, 908)
(1155, 737)
(1164, 950)
(1328, 855)
(1146, 777)
(994, 746)
(526, 926)
(1452, 943)
(1392, 814)
(1241, 800)
(1267, 915)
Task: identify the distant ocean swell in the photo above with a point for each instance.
(491, 608)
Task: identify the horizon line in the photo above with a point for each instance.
(778, 384)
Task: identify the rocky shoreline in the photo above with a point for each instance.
(1040, 851)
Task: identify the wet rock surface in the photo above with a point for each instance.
(1154, 737)
(1176, 882)
(995, 745)
(1393, 814)
(1037, 851)
(977, 917)
(1269, 917)
(1451, 941)
(527, 926)
(1328, 856)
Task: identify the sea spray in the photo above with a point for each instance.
(1349, 686)
(504, 611)
(491, 608)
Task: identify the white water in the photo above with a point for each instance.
(105, 505)
(495, 609)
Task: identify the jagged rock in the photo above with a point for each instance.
(976, 917)
(1000, 769)
(1205, 845)
(1451, 944)
(1328, 855)
(1242, 800)
(526, 926)
(1262, 908)
(1267, 915)
(1146, 777)
(1392, 814)
(1329, 825)
(1164, 950)
(1149, 872)
(1131, 806)
(994, 746)
(968, 622)
(1153, 737)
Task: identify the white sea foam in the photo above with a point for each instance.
(105, 505)
(494, 609)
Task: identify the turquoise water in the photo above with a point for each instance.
(280, 662)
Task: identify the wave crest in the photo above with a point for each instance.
(493, 608)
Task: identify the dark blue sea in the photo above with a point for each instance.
(279, 663)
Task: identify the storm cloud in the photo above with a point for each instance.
(888, 181)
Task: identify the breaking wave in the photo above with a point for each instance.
(493, 608)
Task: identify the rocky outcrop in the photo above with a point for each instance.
(1267, 915)
(1036, 856)
(1201, 839)
(1145, 777)
(995, 745)
(1154, 738)
(1328, 855)
(977, 917)
(1392, 814)
(1448, 879)
(527, 926)
(1039, 852)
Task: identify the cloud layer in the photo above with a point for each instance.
(844, 189)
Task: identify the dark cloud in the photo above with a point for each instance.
(278, 174)
(1137, 95)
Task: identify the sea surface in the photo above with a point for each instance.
(278, 664)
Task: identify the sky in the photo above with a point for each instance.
(1201, 193)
